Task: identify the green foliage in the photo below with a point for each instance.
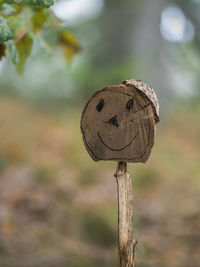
(70, 45)
(23, 48)
(5, 31)
(12, 51)
(41, 3)
(39, 18)
(25, 22)
(7, 9)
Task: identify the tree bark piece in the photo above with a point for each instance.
(126, 243)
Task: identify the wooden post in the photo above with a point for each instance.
(126, 243)
(119, 123)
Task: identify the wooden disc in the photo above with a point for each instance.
(118, 124)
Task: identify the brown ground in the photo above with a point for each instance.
(58, 207)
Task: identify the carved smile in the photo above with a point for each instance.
(117, 149)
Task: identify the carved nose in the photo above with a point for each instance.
(113, 121)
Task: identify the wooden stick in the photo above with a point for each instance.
(126, 243)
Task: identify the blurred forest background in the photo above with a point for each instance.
(57, 206)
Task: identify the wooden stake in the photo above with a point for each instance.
(119, 123)
(126, 243)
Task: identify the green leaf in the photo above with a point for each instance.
(17, 26)
(5, 31)
(39, 18)
(12, 51)
(69, 44)
(7, 9)
(10, 1)
(41, 3)
(24, 49)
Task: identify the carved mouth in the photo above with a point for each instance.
(117, 149)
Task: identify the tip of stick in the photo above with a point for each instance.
(121, 168)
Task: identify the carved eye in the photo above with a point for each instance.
(129, 104)
(100, 105)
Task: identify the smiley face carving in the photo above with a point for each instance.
(118, 123)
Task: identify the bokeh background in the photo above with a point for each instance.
(58, 208)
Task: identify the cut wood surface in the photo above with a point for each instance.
(118, 123)
(126, 243)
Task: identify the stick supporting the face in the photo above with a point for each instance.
(126, 243)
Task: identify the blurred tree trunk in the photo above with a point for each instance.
(131, 32)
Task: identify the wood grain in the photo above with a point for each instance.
(126, 243)
(118, 123)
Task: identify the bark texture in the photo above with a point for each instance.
(126, 243)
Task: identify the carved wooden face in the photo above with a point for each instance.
(118, 124)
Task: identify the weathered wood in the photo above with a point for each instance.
(126, 243)
(148, 91)
(118, 123)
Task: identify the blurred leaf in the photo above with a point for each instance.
(39, 18)
(44, 45)
(20, 35)
(2, 50)
(17, 26)
(10, 1)
(23, 22)
(41, 3)
(12, 51)
(7, 9)
(24, 49)
(5, 32)
(70, 44)
(6, 1)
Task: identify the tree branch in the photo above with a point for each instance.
(126, 243)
